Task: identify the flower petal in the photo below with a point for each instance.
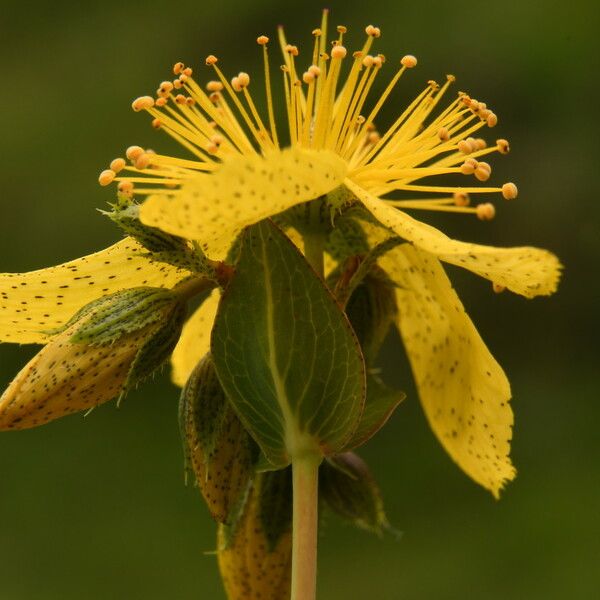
(463, 390)
(34, 303)
(213, 208)
(194, 342)
(525, 270)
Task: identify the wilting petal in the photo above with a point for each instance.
(525, 270)
(194, 342)
(463, 390)
(214, 208)
(33, 303)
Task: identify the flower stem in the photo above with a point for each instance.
(304, 546)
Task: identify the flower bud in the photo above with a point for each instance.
(218, 449)
(107, 347)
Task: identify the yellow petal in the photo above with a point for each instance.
(38, 301)
(194, 342)
(463, 390)
(525, 270)
(213, 208)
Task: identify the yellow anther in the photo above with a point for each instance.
(178, 68)
(461, 199)
(378, 61)
(188, 71)
(190, 101)
(156, 123)
(480, 143)
(106, 177)
(451, 78)
(211, 59)
(498, 289)
(472, 143)
(262, 40)
(142, 103)
(341, 29)
(165, 87)
(464, 147)
(338, 51)
(212, 148)
(125, 186)
(317, 32)
(214, 97)
(244, 79)
(143, 160)
(468, 168)
(491, 120)
(133, 152)
(372, 31)
(503, 146)
(367, 61)
(483, 171)
(316, 71)
(177, 84)
(214, 86)
(308, 77)
(509, 191)
(293, 50)
(118, 164)
(217, 139)
(236, 85)
(409, 61)
(180, 99)
(485, 211)
(160, 102)
(183, 78)
(373, 137)
(443, 134)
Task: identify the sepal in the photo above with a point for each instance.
(349, 489)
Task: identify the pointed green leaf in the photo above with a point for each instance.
(285, 352)
(381, 402)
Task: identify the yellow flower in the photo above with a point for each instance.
(243, 167)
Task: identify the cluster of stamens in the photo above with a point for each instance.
(324, 111)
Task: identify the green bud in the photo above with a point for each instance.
(348, 488)
(217, 447)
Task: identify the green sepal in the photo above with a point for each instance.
(121, 313)
(273, 502)
(380, 404)
(371, 310)
(159, 345)
(346, 239)
(285, 352)
(348, 488)
(218, 449)
(162, 247)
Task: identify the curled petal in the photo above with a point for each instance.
(524, 270)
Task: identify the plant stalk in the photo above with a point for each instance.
(305, 473)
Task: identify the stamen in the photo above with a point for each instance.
(485, 212)
(509, 191)
(106, 177)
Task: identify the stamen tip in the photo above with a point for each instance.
(409, 61)
(509, 191)
(106, 177)
(142, 103)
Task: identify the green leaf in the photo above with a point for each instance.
(217, 447)
(285, 352)
(348, 488)
(381, 402)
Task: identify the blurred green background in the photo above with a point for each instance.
(95, 508)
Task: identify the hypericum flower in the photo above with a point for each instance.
(243, 167)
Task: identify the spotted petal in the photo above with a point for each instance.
(194, 342)
(525, 270)
(463, 390)
(33, 303)
(213, 208)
